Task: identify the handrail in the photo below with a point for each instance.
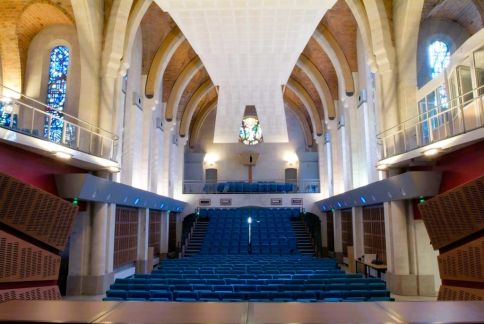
(448, 103)
(113, 136)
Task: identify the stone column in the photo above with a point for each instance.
(91, 251)
(358, 233)
(338, 240)
(322, 165)
(167, 144)
(399, 279)
(143, 235)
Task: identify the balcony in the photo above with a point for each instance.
(450, 110)
(245, 187)
(33, 125)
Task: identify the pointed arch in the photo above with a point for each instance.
(192, 105)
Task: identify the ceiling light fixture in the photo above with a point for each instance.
(432, 152)
(63, 155)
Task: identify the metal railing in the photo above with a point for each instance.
(34, 118)
(245, 187)
(457, 116)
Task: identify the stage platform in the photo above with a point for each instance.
(173, 312)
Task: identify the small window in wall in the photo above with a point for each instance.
(57, 93)
(346, 230)
(125, 236)
(374, 232)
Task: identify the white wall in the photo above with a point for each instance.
(272, 158)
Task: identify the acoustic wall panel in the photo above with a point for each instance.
(22, 261)
(31, 293)
(35, 212)
(465, 262)
(454, 214)
(460, 293)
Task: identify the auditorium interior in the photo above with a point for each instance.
(241, 161)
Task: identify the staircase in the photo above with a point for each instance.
(303, 239)
(196, 240)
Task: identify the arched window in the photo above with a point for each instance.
(57, 92)
(439, 55)
(250, 132)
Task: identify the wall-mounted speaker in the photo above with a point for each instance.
(137, 100)
(362, 97)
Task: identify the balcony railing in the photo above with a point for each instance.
(34, 118)
(454, 117)
(245, 187)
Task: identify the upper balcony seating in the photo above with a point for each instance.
(246, 187)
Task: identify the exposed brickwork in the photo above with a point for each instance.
(314, 52)
(194, 84)
(340, 21)
(182, 57)
(303, 79)
(155, 25)
(468, 13)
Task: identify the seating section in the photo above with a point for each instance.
(262, 278)
(247, 187)
(270, 231)
(229, 269)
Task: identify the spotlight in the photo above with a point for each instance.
(63, 155)
(249, 220)
(432, 152)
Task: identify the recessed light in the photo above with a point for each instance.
(432, 152)
(63, 155)
(114, 169)
(382, 167)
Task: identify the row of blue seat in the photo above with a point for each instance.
(284, 296)
(249, 287)
(233, 187)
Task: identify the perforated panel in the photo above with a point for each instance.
(35, 212)
(465, 262)
(22, 261)
(155, 231)
(346, 230)
(374, 231)
(454, 214)
(32, 293)
(125, 236)
(458, 293)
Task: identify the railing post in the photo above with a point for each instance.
(49, 121)
(63, 136)
(78, 137)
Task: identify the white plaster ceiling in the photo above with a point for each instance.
(249, 48)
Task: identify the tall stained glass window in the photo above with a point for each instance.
(56, 92)
(439, 56)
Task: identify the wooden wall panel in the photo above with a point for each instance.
(22, 261)
(125, 236)
(155, 231)
(374, 232)
(346, 230)
(460, 293)
(465, 262)
(31, 293)
(454, 214)
(35, 212)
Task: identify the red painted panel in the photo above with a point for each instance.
(461, 166)
(32, 168)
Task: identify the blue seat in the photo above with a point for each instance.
(244, 288)
(160, 295)
(117, 294)
(222, 288)
(185, 296)
(208, 296)
(258, 296)
(181, 287)
(333, 300)
(112, 299)
(305, 296)
(143, 294)
(231, 296)
(282, 296)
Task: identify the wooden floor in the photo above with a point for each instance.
(172, 312)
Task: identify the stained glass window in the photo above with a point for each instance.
(250, 132)
(56, 92)
(6, 113)
(438, 57)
